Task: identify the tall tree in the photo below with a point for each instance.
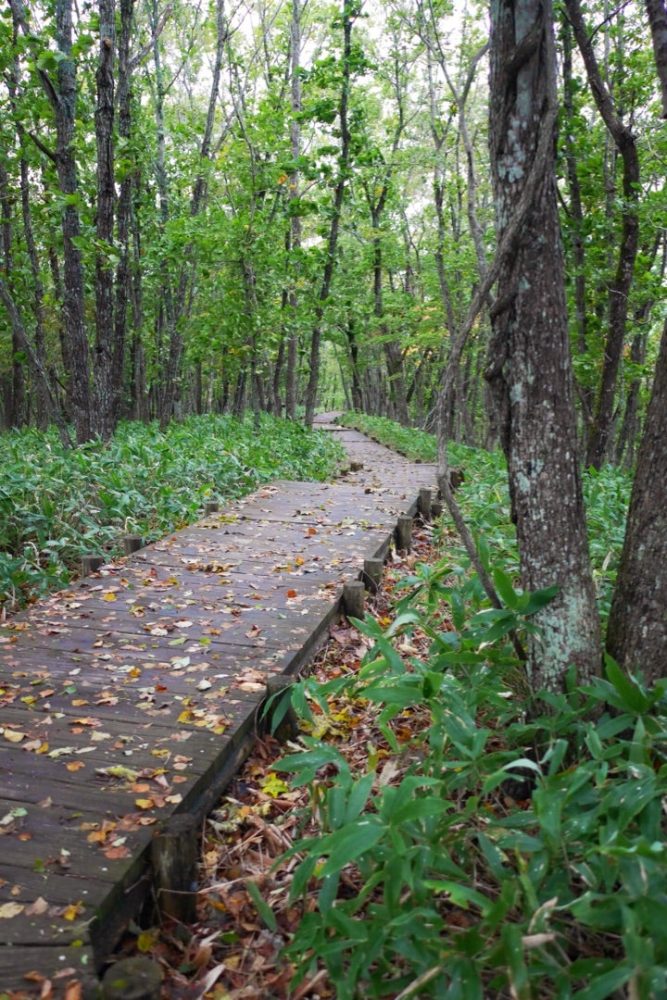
(350, 11)
(62, 95)
(619, 291)
(529, 361)
(105, 391)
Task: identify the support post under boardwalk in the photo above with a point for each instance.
(133, 979)
(354, 595)
(373, 569)
(132, 543)
(425, 500)
(174, 857)
(404, 533)
(91, 564)
(211, 507)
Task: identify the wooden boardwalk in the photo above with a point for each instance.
(134, 695)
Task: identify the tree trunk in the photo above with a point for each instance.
(294, 235)
(74, 326)
(104, 319)
(357, 396)
(15, 410)
(657, 16)
(123, 210)
(637, 632)
(180, 308)
(619, 291)
(332, 241)
(529, 358)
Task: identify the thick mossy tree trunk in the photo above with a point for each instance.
(529, 361)
(637, 634)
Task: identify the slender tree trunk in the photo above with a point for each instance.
(15, 411)
(74, 326)
(637, 632)
(62, 96)
(357, 397)
(104, 319)
(294, 235)
(277, 378)
(123, 210)
(619, 291)
(339, 193)
(576, 205)
(657, 16)
(529, 359)
(45, 410)
(187, 271)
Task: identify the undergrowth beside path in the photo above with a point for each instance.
(56, 505)
(484, 499)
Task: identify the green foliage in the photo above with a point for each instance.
(494, 854)
(484, 499)
(56, 505)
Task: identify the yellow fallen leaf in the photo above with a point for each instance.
(9, 910)
(13, 736)
(109, 596)
(146, 941)
(72, 911)
(144, 803)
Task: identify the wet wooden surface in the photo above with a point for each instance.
(135, 693)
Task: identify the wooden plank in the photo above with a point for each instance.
(61, 965)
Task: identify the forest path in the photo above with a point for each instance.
(134, 695)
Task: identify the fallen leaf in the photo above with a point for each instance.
(117, 853)
(9, 910)
(13, 736)
(72, 911)
(37, 908)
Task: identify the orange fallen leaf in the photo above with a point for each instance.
(116, 853)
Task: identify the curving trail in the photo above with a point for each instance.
(134, 695)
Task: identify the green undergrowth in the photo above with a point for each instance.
(476, 850)
(484, 499)
(56, 505)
